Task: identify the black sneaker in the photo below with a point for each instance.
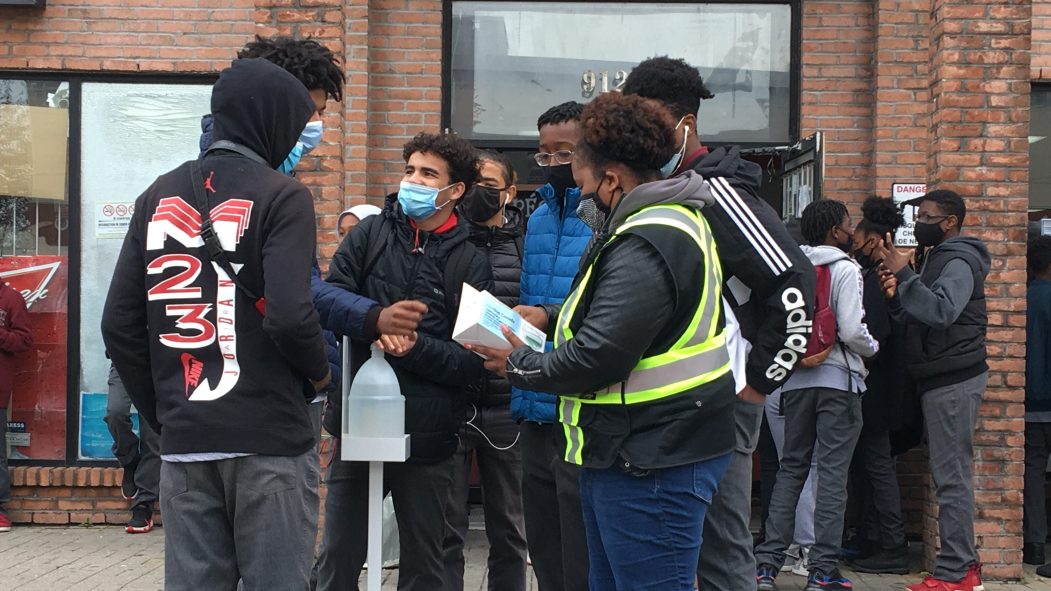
(141, 519)
(822, 582)
(128, 489)
(856, 546)
(894, 561)
(765, 576)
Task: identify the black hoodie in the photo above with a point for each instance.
(767, 280)
(199, 361)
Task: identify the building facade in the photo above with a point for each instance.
(97, 97)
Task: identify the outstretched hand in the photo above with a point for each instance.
(496, 359)
(893, 259)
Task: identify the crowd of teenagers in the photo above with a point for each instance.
(687, 326)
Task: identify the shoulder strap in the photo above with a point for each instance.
(211, 241)
(238, 148)
(380, 233)
(455, 274)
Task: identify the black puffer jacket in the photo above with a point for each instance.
(503, 246)
(434, 374)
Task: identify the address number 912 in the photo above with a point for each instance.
(591, 81)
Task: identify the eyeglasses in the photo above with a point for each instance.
(560, 157)
(926, 219)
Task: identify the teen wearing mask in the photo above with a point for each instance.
(554, 242)
(822, 408)
(873, 470)
(769, 286)
(943, 307)
(640, 361)
(490, 432)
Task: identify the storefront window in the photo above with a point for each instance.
(511, 61)
(1039, 155)
(130, 134)
(34, 243)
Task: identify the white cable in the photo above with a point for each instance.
(486, 437)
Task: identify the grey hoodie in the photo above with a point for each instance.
(940, 304)
(854, 343)
(689, 189)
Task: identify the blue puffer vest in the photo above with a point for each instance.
(555, 240)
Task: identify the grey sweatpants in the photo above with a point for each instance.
(726, 562)
(141, 454)
(252, 518)
(824, 422)
(950, 414)
(804, 535)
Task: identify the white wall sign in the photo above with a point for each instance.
(1045, 227)
(112, 218)
(901, 192)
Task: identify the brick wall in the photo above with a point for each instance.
(56, 496)
(979, 85)
(1040, 67)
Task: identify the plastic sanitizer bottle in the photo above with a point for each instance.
(373, 406)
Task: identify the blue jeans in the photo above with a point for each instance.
(645, 532)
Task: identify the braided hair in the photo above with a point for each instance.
(819, 217)
(310, 62)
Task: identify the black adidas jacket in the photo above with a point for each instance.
(199, 361)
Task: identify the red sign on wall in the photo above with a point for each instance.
(39, 396)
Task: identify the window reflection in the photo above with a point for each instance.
(513, 60)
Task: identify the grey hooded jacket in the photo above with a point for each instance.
(844, 369)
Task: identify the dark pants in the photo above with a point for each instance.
(824, 422)
(488, 429)
(644, 532)
(420, 492)
(726, 562)
(883, 509)
(140, 455)
(950, 414)
(554, 519)
(5, 476)
(252, 518)
(769, 464)
(1037, 449)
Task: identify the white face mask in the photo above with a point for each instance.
(669, 168)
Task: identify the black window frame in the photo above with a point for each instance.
(795, 72)
(76, 81)
(24, 3)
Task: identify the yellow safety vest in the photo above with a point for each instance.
(699, 355)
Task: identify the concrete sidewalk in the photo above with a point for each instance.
(42, 558)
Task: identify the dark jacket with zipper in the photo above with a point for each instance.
(502, 246)
(435, 372)
(644, 290)
(882, 406)
(201, 363)
(944, 310)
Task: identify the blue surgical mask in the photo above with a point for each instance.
(669, 168)
(419, 202)
(308, 140)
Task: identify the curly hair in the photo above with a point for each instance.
(310, 62)
(673, 82)
(458, 153)
(880, 216)
(500, 159)
(1038, 254)
(636, 132)
(568, 111)
(819, 217)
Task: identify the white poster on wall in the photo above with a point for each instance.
(112, 218)
(901, 192)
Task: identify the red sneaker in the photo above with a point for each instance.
(5, 522)
(972, 581)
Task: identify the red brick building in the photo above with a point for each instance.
(933, 92)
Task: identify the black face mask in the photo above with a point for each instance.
(846, 246)
(866, 261)
(929, 234)
(482, 203)
(560, 178)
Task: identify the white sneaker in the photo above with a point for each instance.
(791, 558)
(802, 566)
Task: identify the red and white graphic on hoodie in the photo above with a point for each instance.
(178, 220)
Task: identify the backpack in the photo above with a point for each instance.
(380, 237)
(823, 329)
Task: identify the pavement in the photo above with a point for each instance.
(60, 558)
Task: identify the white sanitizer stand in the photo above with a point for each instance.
(375, 450)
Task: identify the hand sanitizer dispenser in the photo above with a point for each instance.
(373, 405)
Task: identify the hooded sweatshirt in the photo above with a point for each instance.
(15, 337)
(844, 369)
(944, 308)
(641, 299)
(201, 363)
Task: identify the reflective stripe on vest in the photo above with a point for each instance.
(698, 356)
